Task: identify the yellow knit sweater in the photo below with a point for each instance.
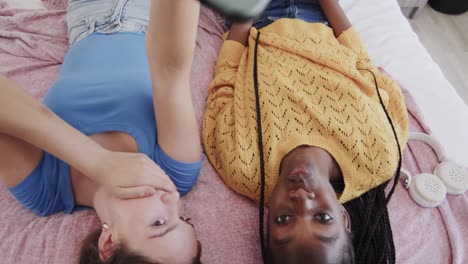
(311, 93)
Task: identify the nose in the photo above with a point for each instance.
(301, 180)
(303, 199)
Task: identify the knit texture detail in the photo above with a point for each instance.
(311, 93)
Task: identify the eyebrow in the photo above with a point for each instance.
(188, 223)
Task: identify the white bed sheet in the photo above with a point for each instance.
(394, 46)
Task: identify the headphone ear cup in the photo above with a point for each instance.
(427, 190)
(453, 176)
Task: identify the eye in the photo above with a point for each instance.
(282, 219)
(324, 218)
(185, 219)
(159, 222)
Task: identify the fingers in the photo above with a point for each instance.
(164, 182)
(158, 178)
(135, 192)
(143, 179)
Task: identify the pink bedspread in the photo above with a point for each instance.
(32, 47)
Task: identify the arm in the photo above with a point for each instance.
(221, 89)
(219, 120)
(335, 15)
(240, 32)
(170, 45)
(27, 119)
(343, 30)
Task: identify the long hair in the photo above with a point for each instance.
(372, 233)
(90, 253)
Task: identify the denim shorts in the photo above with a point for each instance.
(85, 17)
(306, 10)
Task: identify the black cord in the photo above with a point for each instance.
(261, 205)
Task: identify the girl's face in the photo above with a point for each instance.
(306, 222)
(154, 227)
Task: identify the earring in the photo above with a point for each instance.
(312, 195)
(105, 227)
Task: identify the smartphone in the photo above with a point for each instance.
(238, 10)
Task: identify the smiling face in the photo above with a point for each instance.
(154, 227)
(306, 222)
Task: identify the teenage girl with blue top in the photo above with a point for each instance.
(117, 131)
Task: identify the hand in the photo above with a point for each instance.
(130, 175)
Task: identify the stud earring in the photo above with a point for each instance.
(312, 195)
(105, 227)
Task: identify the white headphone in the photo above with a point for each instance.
(429, 190)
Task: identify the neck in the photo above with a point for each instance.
(84, 189)
(90, 193)
(101, 202)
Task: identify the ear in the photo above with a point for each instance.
(346, 218)
(105, 246)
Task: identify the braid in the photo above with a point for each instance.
(373, 243)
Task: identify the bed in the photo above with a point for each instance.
(33, 43)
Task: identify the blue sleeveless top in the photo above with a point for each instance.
(104, 85)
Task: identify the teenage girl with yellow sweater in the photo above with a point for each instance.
(298, 118)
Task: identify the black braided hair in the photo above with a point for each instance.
(372, 237)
